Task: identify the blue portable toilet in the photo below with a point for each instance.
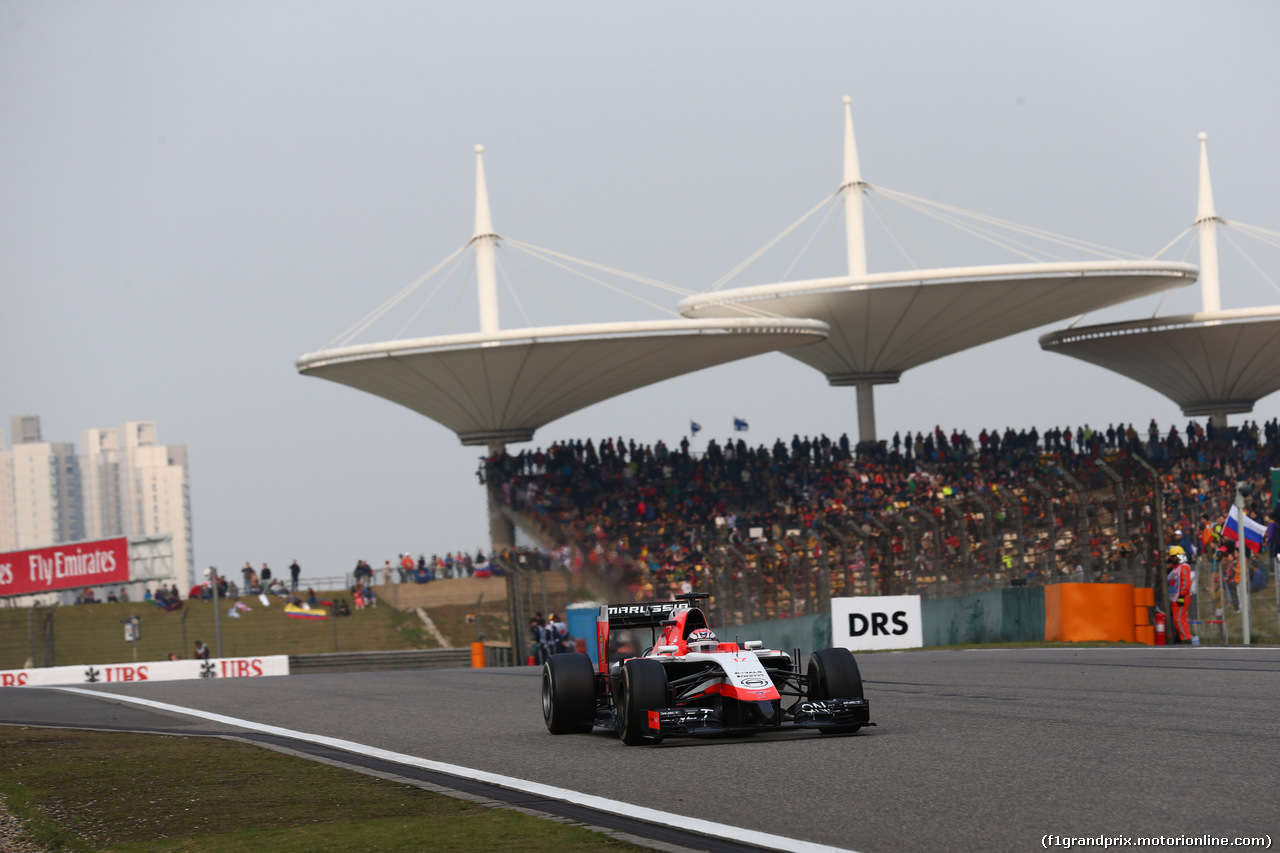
(581, 619)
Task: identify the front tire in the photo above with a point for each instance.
(643, 689)
(568, 694)
(833, 674)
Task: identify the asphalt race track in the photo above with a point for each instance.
(987, 749)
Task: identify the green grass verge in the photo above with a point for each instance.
(80, 790)
(94, 634)
(451, 619)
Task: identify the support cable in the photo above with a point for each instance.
(754, 256)
(507, 281)
(827, 217)
(532, 250)
(1251, 261)
(515, 259)
(1071, 242)
(461, 290)
(661, 285)
(443, 281)
(379, 312)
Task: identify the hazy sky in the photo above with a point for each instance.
(193, 195)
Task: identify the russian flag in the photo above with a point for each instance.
(1254, 532)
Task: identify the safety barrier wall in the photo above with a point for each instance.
(1077, 612)
(1010, 615)
(380, 661)
(806, 633)
(1084, 612)
(179, 670)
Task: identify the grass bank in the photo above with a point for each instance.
(79, 791)
(94, 633)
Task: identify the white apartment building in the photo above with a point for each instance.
(8, 518)
(123, 483)
(42, 481)
(100, 483)
(156, 493)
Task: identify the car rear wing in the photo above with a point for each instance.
(649, 614)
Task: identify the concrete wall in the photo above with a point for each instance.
(806, 633)
(999, 616)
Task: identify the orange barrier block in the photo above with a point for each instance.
(477, 655)
(1144, 596)
(1145, 634)
(1141, 616)
(1087, 612)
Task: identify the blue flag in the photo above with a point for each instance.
(694, 427)
(739, 425)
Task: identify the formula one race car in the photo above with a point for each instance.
(689, 683)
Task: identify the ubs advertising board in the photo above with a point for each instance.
(70, 566)
(876, 622)
(177, 670)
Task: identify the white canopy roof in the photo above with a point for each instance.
(498, 387)
(1209, 363)
(886, 323)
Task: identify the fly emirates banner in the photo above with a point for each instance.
(70, 566)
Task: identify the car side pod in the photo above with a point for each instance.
(568, 693)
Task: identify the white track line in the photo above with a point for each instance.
(648, 815)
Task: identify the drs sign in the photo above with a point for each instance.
(870, 623)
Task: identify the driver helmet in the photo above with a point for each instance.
(702, 640)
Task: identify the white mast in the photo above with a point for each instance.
(855, 240)
(852, 187)
(1207, 224)
(485, 240)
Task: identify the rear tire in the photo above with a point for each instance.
(643, 689)
(568, 694)
(833, 674)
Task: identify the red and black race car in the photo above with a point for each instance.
(690, 683)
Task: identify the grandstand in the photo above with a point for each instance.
(775, 532)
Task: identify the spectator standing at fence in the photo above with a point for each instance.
(247, 571)
(294, 571)
(1181, 539)
(202, 651)
(1258, 578)
(1229, 570)
(1180, 593)
(1208, 534)
(1272, 540)
(536, 641)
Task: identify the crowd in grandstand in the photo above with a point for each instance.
(660, 508)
